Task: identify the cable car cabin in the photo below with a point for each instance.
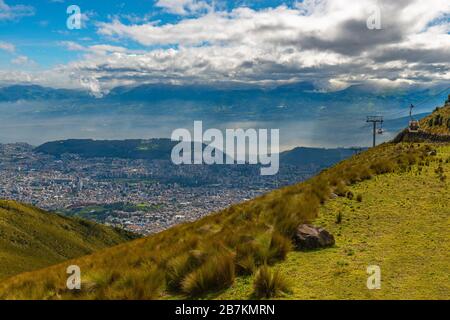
(380, 131)
(414, 126)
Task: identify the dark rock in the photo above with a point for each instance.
(308, 237)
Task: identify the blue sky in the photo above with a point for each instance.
(39, 35)
(261, 42)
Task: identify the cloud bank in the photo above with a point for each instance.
(323, 41)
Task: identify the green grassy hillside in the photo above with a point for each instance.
(402, 225)
(439, 121)
(31, 238)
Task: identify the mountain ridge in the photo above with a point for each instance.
(160, 149)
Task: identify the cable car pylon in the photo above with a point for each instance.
(375, 120)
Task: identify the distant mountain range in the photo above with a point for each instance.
(304, 115)
(223, 100)
(35, 92)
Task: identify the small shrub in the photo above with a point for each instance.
(359, 198)
(268, 284)
(350, 195)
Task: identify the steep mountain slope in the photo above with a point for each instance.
(31, 238)
(387, 206)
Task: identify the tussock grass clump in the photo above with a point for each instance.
(137, 285)
(180, 266)
(269, 284)
(249, 255)
(218, 272)
(341, 189)
(382, 166)
(295, 209)
(280, 246)
(321, 189)
(245, 265)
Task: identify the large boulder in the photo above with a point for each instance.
(309, 237)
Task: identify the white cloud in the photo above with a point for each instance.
(86, 17)
(184, 7)
(22, 60)
(8, 47)
(14, 12)
(99, 49)
(72, 46)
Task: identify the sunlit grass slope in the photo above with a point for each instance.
(438, 122)
(402, 224)
(218, 255)
(31, 238)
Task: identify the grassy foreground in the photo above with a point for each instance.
(31, 238)
(219, 255)
(402, 225)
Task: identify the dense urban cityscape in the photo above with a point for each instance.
(144, 196)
